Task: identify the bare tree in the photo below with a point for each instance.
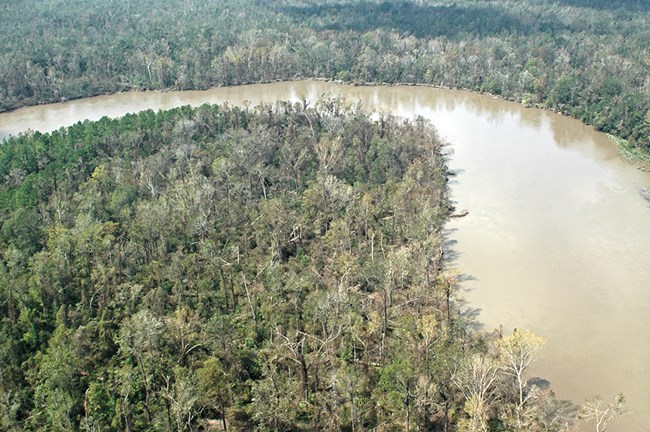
(595, 410)
(477, 379)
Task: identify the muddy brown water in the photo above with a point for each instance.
(557, 238)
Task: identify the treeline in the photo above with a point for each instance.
(586, 58)
(271, 269)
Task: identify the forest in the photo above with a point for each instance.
(283, 267)
(272, 269)
(585, 58)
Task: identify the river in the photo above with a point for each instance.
(557, 238)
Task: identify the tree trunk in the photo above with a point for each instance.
(407, 402)
(223, 417)
(225, 288)
(304, 377)
(384, 329)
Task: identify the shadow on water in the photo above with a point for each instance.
(558, 409)
(539, 382)
(645, 194)
(453, 173)
(451, 254)
(418, 20)
(468, 313)
(470, 316)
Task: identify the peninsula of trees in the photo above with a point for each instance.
(271, 269)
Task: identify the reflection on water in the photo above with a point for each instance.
(557, 238)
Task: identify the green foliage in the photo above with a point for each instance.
(277, 268)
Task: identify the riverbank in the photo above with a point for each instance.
(639, 158)
(629, 151)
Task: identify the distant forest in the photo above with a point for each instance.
(585, 58)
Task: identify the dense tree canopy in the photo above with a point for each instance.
(270, 269)
(586, 58)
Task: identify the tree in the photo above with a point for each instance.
(478, 379)
(602, 414)
(140, 341)
(213, 387)
(185, 333)
(517, 352)
(59, 384)
(180, 391)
